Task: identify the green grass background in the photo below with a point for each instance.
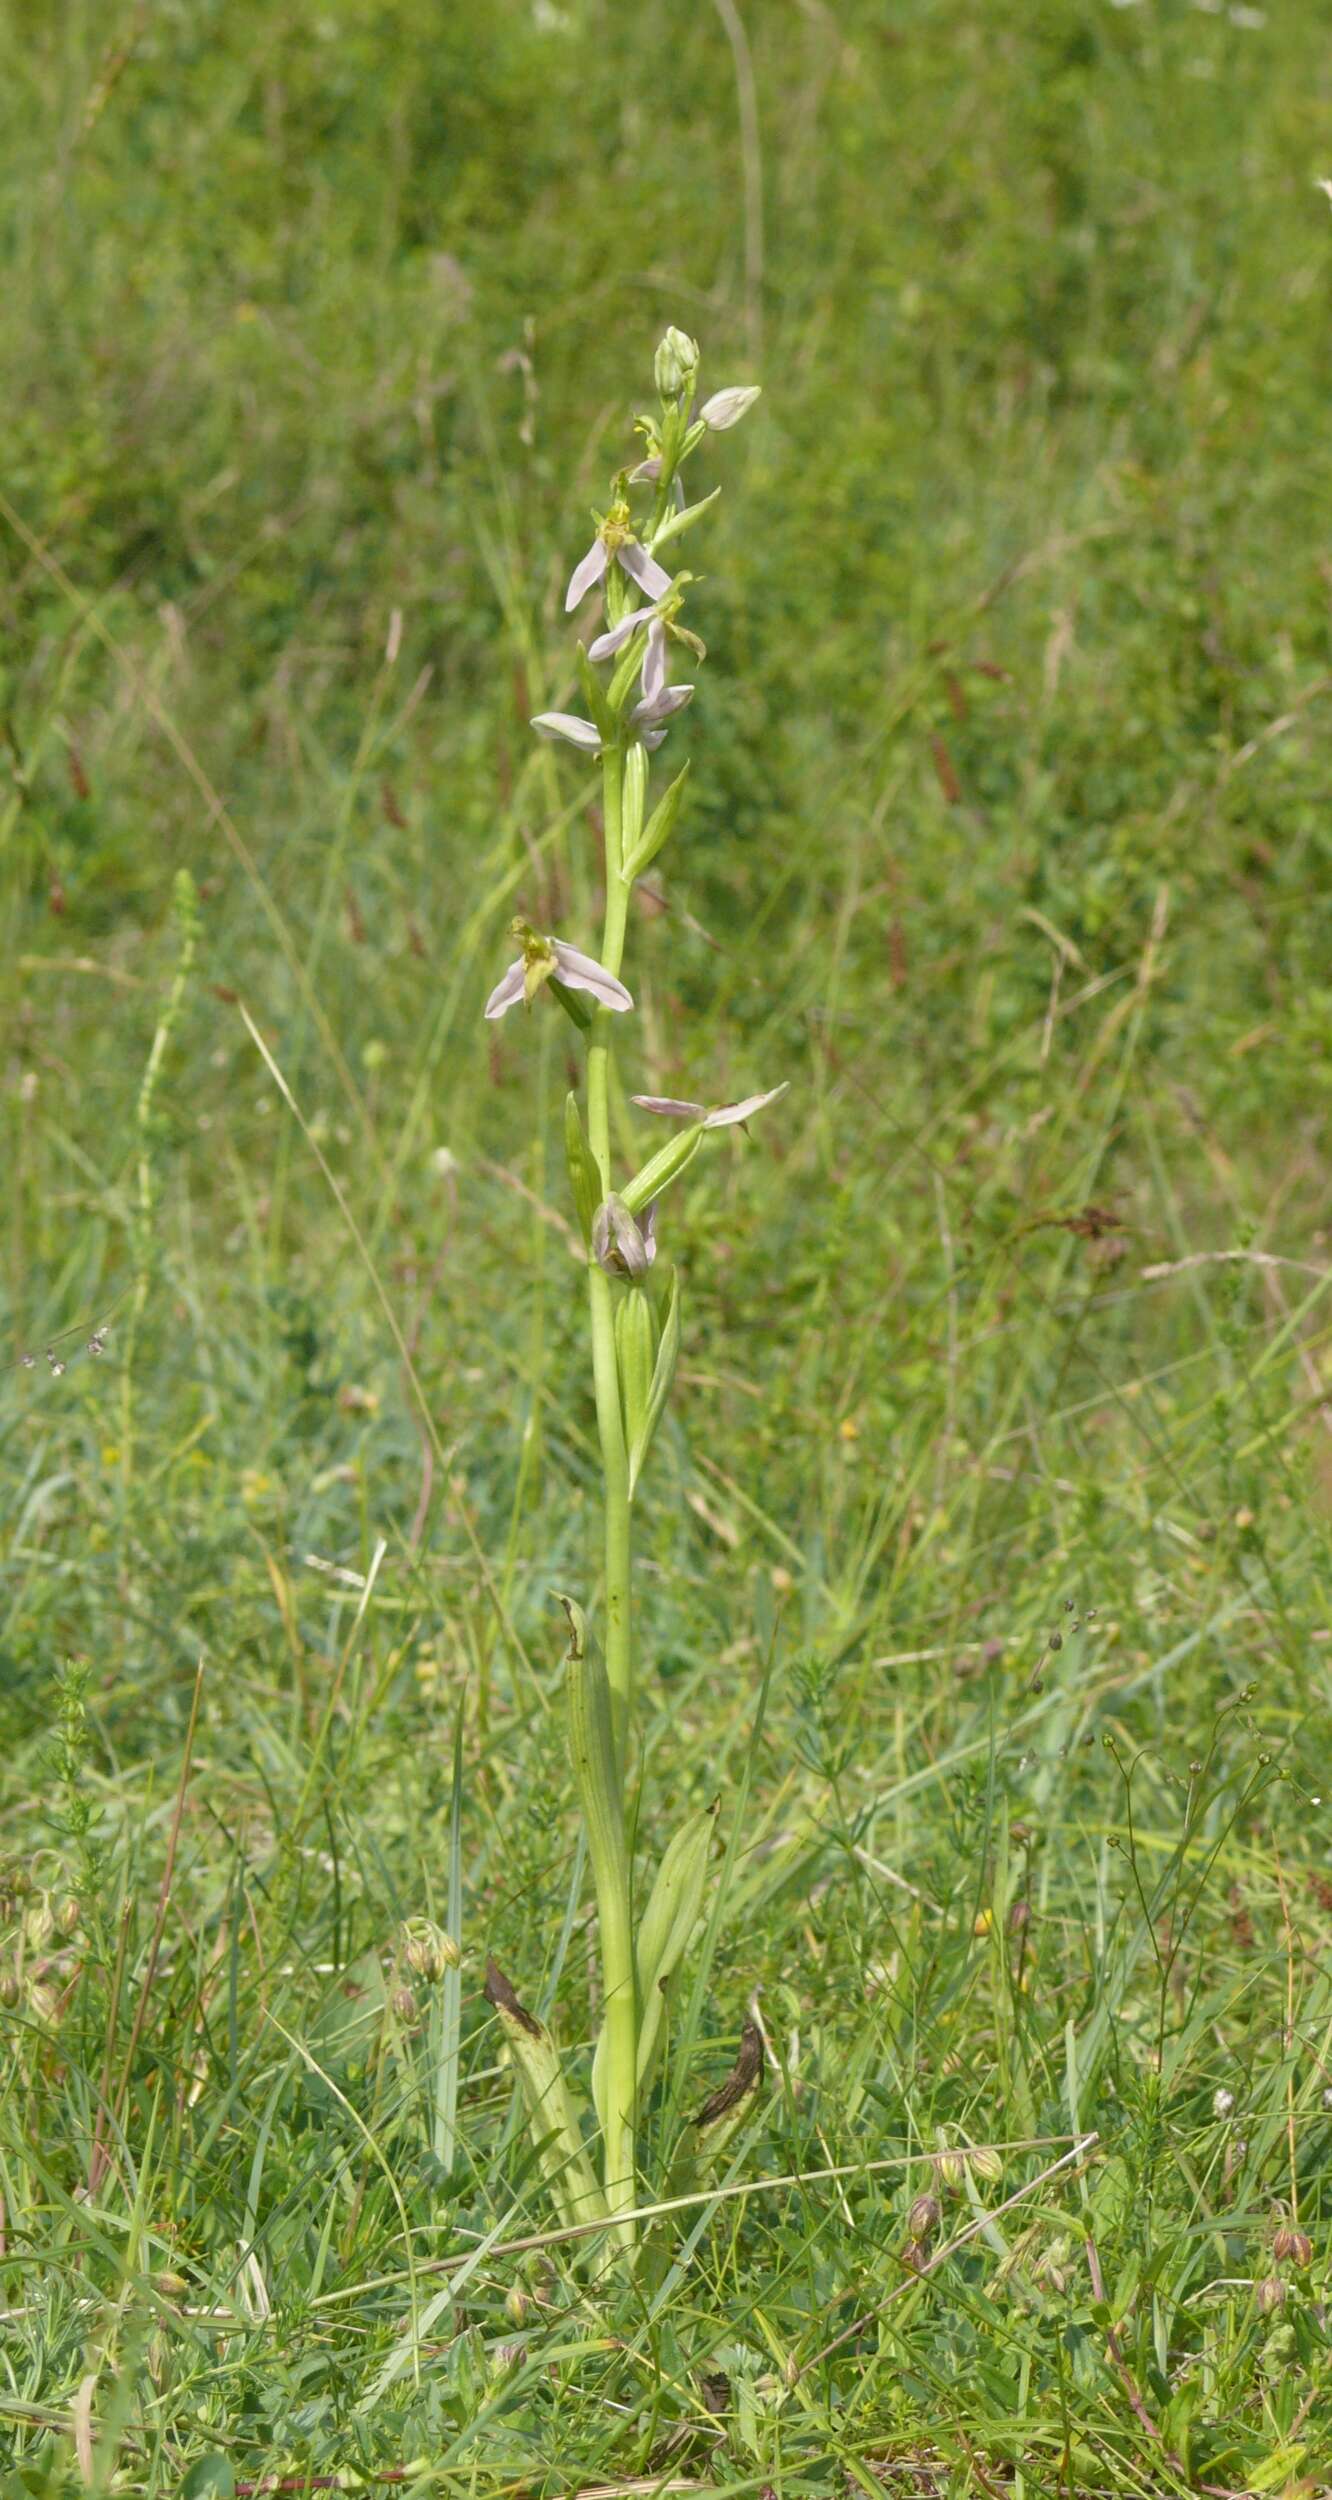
(1009, 847)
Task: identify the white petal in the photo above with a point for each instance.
(643, 569)
(654, 662)
(607, 644)
(663, 706)
(566, 725)
(507, 991)
(726, 408)
(732, 1113)
(584, 574)
(583, 972)
(665, 1107)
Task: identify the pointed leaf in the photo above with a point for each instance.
(659, 827)
(661, 1168)
(663, 1374)
(584, 1179)
(561, 2152)
(594, 697)
(668, 1922)
(635, 1357)
(675, 522)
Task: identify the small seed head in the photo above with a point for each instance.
(429, 1951)
(1223, 2103)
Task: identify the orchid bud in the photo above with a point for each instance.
(676, 364)
(619, 1245)
(726, 408)
(429, 1952)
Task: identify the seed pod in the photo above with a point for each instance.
(429, 1952)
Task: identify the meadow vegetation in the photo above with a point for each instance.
(985, 1554)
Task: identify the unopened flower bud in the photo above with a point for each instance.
(404, 2006)
(1054, 2266)
(9, 1989)
(951, 2171)
(726, 408)
(676, 363)
(1270, 2295)
(791, 2372)
(923, 2217)
(68, 1916)
(984, 2163)
(1223, 2103)
(516, 2304)
(1291, 2247)
(430, 1952)
(915, 2256)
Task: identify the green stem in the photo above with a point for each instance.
(619, 1636)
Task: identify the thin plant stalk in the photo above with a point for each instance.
(635, 1331)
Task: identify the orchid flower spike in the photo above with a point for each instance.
(620, 1244)
(726, 408)
(548, 959)
(730, 1115)
(615, 538)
